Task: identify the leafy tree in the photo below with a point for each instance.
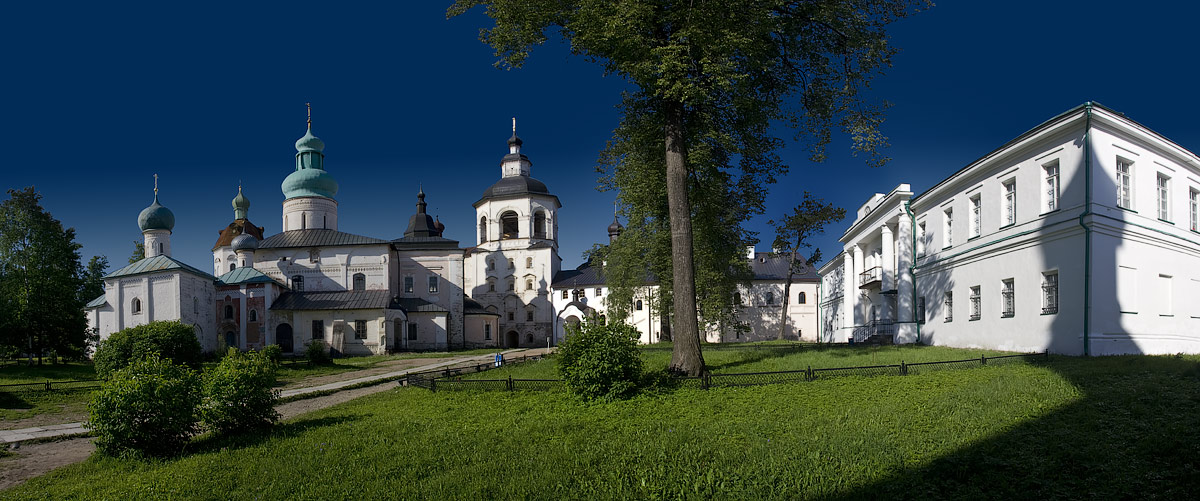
(600, 361)
(172, 340)
(139, 252)
(92, 283)
(39, 280)
(148, 408)
(710, 78)
(239, 392)
(792, 233)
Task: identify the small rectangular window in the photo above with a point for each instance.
(360, 329)
(1166, 295)
(564, 294)
(529, 316)
(975, 303)
(922, 239)
(1010, 202)
(318, 329)
(1052, 189)
(976, 203)
(1194, 210)
(412, 332)
(1008, 306)
(948, 314)
(921, 310)
(1050, 293)
(433, 284)
(487, 332)
(1164, 197)
(599, 291)
(1124, 184)
(408, 285)
(949, 228)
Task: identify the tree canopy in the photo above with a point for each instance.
(711, 80)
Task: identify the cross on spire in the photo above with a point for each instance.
(309, 106)
(156, 186)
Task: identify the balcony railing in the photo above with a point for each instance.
(870, 277)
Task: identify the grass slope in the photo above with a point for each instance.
(1116, 427)
(16, 405)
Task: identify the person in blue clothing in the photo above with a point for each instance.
(499, 359)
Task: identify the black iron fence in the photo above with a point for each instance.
(82, 384)
(454, 382)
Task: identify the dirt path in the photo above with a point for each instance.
(380, 368)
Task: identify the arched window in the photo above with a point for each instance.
(737, 298)
(360, 282)
(770, 298)
(160, 247)
(136, 305)
(508, 225)
(491, 264)
(539, 224)
(528, 284)
(253, 315)
(196, 305)
(228, 312)
(482, 229)
(529, 315)
(638, 305)
(232, 266)
(529, 262)
(491, 285)
(802, 298)
(529, 338)
(511, 266)
(298, 283)
(511, 284)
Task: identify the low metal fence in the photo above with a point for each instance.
(452, 381)
(81, 384)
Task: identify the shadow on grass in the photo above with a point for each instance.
(213, 442)
(1133, 434)
(13, 401)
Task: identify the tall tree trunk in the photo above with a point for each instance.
(787, 294)
(685, 355)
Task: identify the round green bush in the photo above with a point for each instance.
(317, 352)
(239, 392)
(172, 340)
(600, 362)
(273, 352)
(145, 409)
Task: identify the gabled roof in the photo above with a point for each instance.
(315, 238)
(156, 264)
(771, 266)
(245, 275)
(472, 307)
(416, 304)
(585, 274)
(96, 303)
(335, 300)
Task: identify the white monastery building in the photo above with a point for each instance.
(1080, 236)
(364, 295)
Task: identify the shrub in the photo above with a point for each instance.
(600, 361)
(172, 340)
(317, 352)
(148, 408)
(273, 353)
(239, 392)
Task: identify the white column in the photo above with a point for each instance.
(889, 259)
(849, 290)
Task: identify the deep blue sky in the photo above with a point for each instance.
(101, 96)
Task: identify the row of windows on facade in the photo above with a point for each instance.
(509, 227)
(360, 329)
(1007, 297)
(135, 306)
(359, 282)
(769, 298)
(1050, 199)
(1162, 193)
(491, 264)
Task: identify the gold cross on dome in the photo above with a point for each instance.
(156, 185)
(309, 106)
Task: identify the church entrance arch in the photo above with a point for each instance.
(512, 339)
(283, 337)
(231, 339)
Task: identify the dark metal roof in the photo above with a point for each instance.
(155, 264)
(245, 275)
(435, 243)
(586, 274)
(515, 186)
(315, 238)
(472, 307)
(416, 304)
(335, 300)
(771, 266)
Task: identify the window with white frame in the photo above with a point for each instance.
(921, 236)
(1124, 183)
(433, 284)
(1007, 301)
(487, 332)
(949, 228)
(408, 284)
(1050, 292)
(1050, 171)
(976, 203)
(948, 314)
(1194, 210)
(1164, 197)
(1010, 202)
(975, 300)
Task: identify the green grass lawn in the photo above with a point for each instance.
(1114, 427)
(16, 405)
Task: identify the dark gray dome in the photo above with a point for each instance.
(516, 185)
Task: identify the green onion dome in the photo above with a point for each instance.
(309, 183)
(310, 143)
(156, 217)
